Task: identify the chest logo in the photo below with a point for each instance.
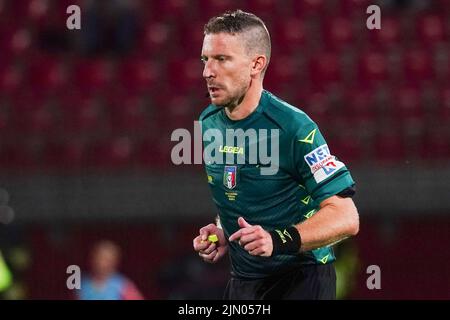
(229, 176)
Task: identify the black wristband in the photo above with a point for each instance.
(286, 241)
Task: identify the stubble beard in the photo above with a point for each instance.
(235, 100)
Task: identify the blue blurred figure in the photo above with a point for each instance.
(105, 282)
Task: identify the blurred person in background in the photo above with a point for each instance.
(278, 228)
(105, 282)
(6, 278)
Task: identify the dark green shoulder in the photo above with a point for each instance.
(210, 110)
(286, 116)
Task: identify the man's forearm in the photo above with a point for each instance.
(336, 220)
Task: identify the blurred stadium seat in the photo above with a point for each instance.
(431, 29)
(334, 56)
(338, 33)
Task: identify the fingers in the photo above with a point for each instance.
(259, 248)
(259, 251)
(204, 246)
(252, 245)
(238, 235)
(245, 228)
(249, 238)
(201, 241)
(217, 256)
(254, 239)
(244, 231)
(206, 230)
(208, 257)
(242, 223)
(209, 249)
(199, 244)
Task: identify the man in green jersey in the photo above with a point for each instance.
(277, 219)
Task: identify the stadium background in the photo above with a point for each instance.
(86, 117)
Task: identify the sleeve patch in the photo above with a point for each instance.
(322, 164)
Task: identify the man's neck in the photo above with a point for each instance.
(248, 104)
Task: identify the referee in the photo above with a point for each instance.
(278, 228)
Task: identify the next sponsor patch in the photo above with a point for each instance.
(322, 163)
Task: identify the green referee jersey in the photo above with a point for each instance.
(307, 173)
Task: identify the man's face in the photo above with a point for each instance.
(227, 68)
(104, 261)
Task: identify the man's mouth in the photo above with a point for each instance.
(213, 90)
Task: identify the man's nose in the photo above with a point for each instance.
(208, 71)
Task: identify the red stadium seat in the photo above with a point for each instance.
(128, 115)
(193, 75)
(317, 106)
(185, 75)
(360, 106)
(208, 8)
(192, 37)
(407, 104)
(337, 33)
(290, 35)
(354, 7)
(431, 29)
(19, 7)
(5, 115)
(117, 152)
(40, 121)
(94, 75)
(441, 65)
(389, 35)
(22, 154)
(150, 153)
(346, 146)
(47, 75)
(4, 11)
(310, 7)
(372, 69)
(173, 9)
(156, 39)
(436, 143)
(66, 155)
(11, 78)
(38, 11)
(83, 115)
(389, 146)
(418, 67)
(31, 115)
(444, 105)
(284, 71)
(139, 75)
(16, 41)
(263, 7)
(324, 69)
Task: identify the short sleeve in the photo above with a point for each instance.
(318, 170)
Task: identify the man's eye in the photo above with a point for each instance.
(203, 60)
(221, 58)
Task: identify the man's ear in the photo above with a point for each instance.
(258, 64)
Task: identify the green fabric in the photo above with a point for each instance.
(306, 176)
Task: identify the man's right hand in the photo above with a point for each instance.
(209, 251)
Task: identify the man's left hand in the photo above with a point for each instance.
(254, 239)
